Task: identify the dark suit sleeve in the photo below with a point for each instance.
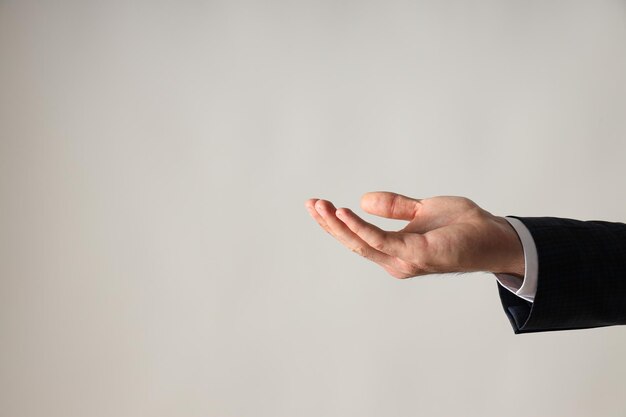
(581, 276)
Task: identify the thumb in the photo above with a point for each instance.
(390, 205)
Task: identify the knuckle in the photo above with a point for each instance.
(467, 201)
(378, 244)
(393, 204)
(360, 250)
(395, 275)
(414, 270)
(420, 266)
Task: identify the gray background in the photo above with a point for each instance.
(156, 258)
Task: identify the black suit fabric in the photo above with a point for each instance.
(581, 277)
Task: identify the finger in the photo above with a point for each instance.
(390, 205)
(310, 206)
(391, 243)
(337, 228)
(396, 271)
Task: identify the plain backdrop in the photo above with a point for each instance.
(156, 258)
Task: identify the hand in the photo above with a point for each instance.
(444, 234)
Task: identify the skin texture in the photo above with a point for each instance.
(444, 234)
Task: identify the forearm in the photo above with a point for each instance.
(581, 276)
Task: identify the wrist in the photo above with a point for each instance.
(513, 261)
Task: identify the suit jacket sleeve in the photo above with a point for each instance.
(581, 276)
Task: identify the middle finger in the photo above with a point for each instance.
(348, 238)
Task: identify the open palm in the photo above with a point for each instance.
(444, 234)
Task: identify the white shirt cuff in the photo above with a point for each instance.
(527, 287)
